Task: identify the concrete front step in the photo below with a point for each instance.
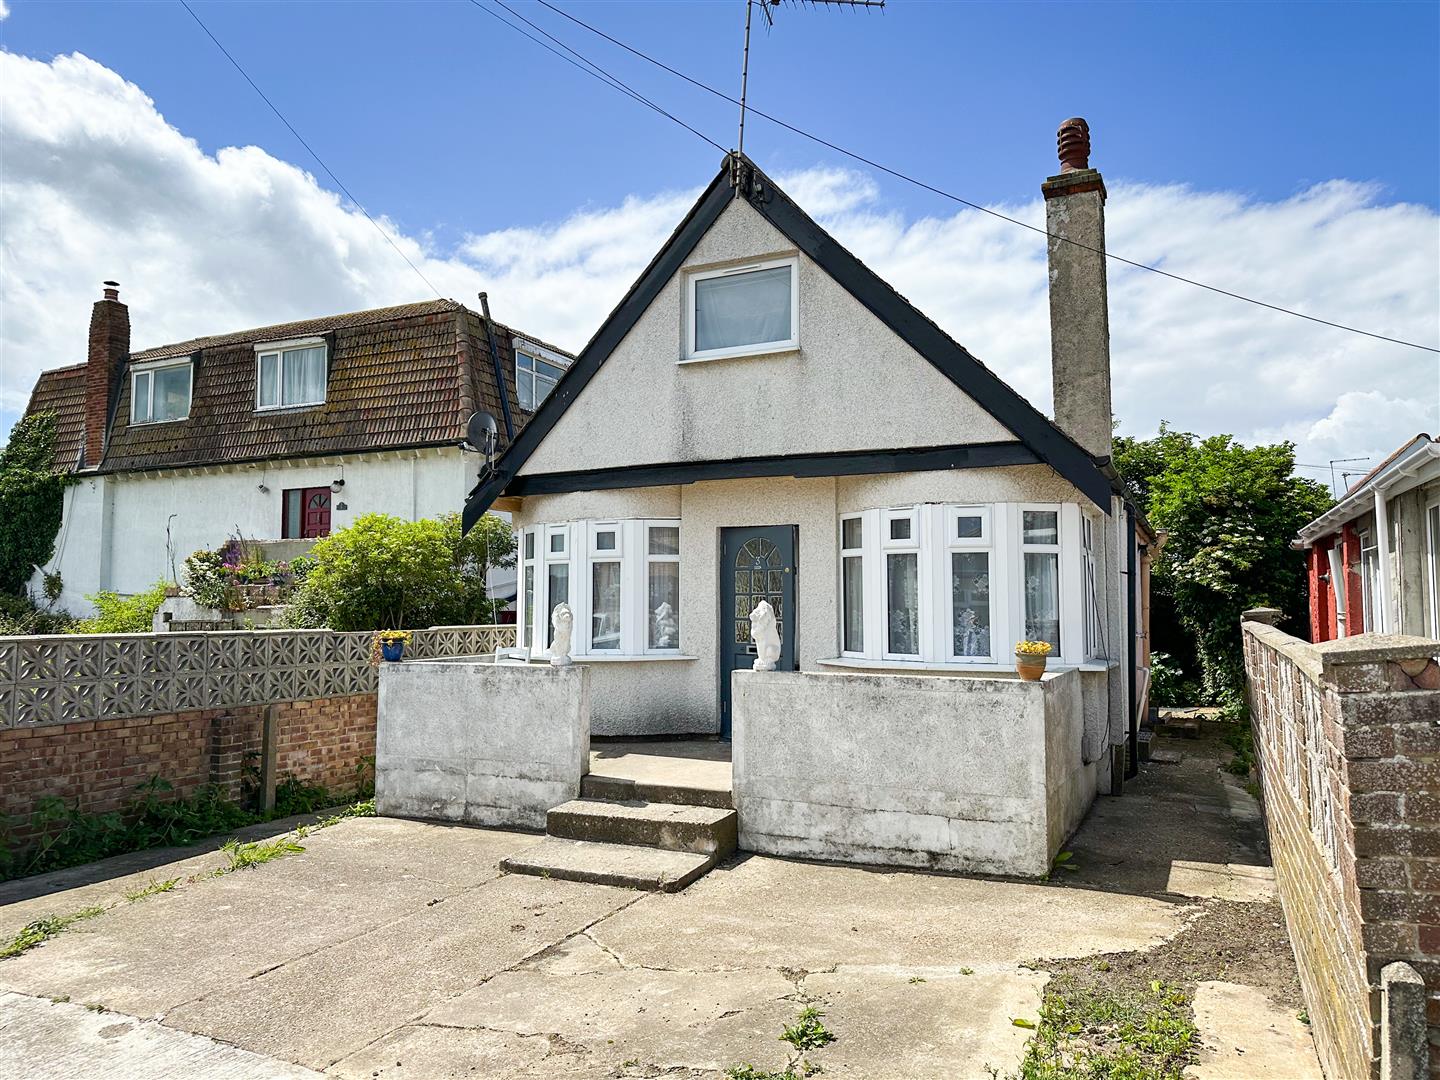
(701, 830)
(624, 789)
(623, 865)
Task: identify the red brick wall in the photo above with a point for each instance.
(98, 764)
(1349, 758)
(321, 741)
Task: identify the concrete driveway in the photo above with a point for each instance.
(398, 949)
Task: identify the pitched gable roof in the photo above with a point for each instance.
(739, 177)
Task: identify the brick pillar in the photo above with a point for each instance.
(109, 349)
(230, 737)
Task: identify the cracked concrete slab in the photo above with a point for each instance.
(945, 1024)
(319, 1007)
(426, 1052)
(1243, 1035)
(702, 1021)
(48, 1040)
(1221, 881)
(761, 912)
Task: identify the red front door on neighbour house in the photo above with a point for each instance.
(305, 514)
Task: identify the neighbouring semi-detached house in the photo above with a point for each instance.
(764, 418)
(282, 432)
(1373, 558)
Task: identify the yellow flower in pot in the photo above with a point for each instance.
(390, 644)
(1030, 659)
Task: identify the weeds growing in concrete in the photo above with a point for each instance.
(42, 930)
(257, 852)
(151, 889)
(807, 1033)
(1089, 1032)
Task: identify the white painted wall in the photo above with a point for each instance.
(114, 536)
(851, 385)
(651, 696)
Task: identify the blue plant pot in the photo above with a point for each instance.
(392, 650)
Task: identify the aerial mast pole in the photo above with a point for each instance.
(765, 6)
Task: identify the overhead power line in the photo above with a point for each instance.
(587, 66)
(956, 198)
(328, 171)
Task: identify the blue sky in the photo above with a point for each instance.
(446, 120)
(1286, 151)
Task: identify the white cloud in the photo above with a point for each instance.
(4, 10)
(98, 185)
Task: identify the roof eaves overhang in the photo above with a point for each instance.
(1406, 464)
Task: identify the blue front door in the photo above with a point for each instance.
(756, 563)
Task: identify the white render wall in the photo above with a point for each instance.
(851, 385)
(982, 775)
(113, 536)
(674, 696)
(481, 743)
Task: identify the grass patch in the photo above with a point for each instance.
(257, 852)
(1093, 1032)
(152, 889)
(42, 930)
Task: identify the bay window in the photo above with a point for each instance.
(620, 578)
(956, 584)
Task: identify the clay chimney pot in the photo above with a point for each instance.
(1073, 142)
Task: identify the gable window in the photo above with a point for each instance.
(537, 370)
(290, 374)
(620, 578)
(742, 310)
(160, 393)
(305, 513)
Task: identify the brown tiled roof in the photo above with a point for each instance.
(62, 392)
(399, 377)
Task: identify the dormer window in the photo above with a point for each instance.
(742, 310)
(537, 370)
(160, 392)
(289, 374)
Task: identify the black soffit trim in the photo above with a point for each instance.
(847, 463)
(1029, 425)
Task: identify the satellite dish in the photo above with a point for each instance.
(482, 434)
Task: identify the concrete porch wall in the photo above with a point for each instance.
(953, 773)
(486, 744)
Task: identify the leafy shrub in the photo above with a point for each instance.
(31, 500)
(116, 614)
(384, 573)
(213, 578)
(19, 615)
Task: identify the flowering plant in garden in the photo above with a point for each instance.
(1032, 648)
(392, 636)
(215, 578)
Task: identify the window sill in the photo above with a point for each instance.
(167, 420)
(741, 354)
(974, 667)
(289, 408)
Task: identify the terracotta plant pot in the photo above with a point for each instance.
(1030, 667)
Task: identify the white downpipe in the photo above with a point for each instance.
(1382, 552)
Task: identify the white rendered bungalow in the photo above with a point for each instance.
(764, 418)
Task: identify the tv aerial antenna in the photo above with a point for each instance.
(766, 8)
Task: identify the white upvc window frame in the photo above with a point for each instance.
(910, 545)
(149, 370)
(1092, 596)
(1369, 566)
(934, 538)
(580, 552)
(693, 355)
(1432, 553)
(953, 543)
(529, 559)
(278, 349)
(647, 558)
(872, 598)
(1335, 557)
(524, 347)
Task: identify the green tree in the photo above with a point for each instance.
(385, 573)
(1229, 513)
(31, 499)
